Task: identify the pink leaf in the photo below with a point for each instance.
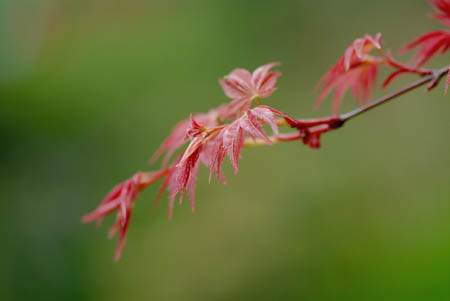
(213, 156)
(178, 136)
(267, 116)
(443, 11)
(191, 185)
(121, 199)
(243, 87)
(447, 83)
(431, 43)
(233, 140)
(253, 127)
(393, 76)
(354, 70)
(264, 81)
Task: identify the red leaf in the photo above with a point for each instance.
(243, 87)
(447, 83)
(191, 185)
(184, 171)
(213, 156)
(178, 136)
(430, 44)
(264, 81)
(356, 70)
(121, 199)
(253, 127)
(443, 11)
(237, 84)
(233, 140)
(267, 116)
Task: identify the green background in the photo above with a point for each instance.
(90, 88)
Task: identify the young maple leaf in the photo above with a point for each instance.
(249, 124)
(209, 145)
(121, 199)
(430, 44)
(170, 183)
(213, 155)
(265, 114)
(433, 42)
(178, 136)
(356, 70)
(447, 82)
(442, 8)
(186, 169)
(243, 87)
(233, 141)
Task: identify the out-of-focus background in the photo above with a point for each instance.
(90, 88)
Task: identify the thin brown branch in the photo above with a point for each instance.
(310, 130)
(337, 121)
(432, 79)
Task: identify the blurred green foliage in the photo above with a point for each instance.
(89, 89)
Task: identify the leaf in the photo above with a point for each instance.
(264, 81)
(243, 87)
(354, 70)
(184, 170)
(393, 76)
(267, 116)
(443, 9)
(253, 127)
(430, 44)
(213, 156)
(233, 140)
(191, 184)
(178, 136)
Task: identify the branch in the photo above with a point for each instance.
(310, 130)
(432, 79)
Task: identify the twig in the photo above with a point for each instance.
(433, 79)
(309, 130)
